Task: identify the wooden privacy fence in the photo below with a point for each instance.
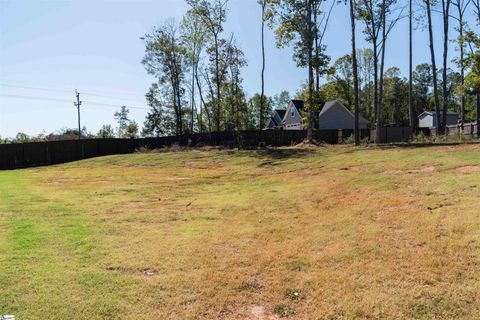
(24, 155)
(392, 134)
(469, 129)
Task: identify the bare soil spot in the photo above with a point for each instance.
(468, 169)
(428, 169)
(178, 178)
(259, 313)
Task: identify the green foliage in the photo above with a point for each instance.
(106, 131)
(254, 103)
(281, 100)
(132, 130)
(121, 117)
(166, 59)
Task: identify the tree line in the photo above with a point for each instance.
(198, 66)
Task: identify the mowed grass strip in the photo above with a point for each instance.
(328, 233)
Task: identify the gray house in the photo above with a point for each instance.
(293, 118)
(428, 119)
(334, 115)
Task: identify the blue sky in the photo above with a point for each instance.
(50, 48)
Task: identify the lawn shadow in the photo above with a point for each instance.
(422, 145)
(272, 156)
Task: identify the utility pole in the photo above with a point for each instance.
(78, 104)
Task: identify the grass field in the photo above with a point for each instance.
(330, 233)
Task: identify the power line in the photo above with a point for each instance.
(34, 88)
(108, 93)
(68, 91)
(69, 101)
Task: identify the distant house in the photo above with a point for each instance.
(335, 115)
(428, 119)
(276, 119)
(293, 117)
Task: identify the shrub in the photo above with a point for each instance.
(284, 311)
(294, 294)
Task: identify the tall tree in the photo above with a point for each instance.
(355, 72)
(235, 93)
(165, 59)
(320, 20)
(472, 80)
(434, 66)
(375, 13)
(194, 37)
(446, 20)
(263, 3)
(461, 6)
(410, 65)
(213, 14)
(295, 22)
(160, 120)
(121, 116)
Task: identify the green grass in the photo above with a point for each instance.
(326, 233)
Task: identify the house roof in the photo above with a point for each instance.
(281, 112)
(335, 103)
(432, 113)
(299, 104)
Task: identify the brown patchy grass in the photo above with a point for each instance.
(327, 233)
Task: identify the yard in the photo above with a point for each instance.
(330, 233)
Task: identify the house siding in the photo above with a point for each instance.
(292, 119)
(429, 120)
(338, 117)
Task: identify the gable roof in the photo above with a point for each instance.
(337, 104)
(281, 113)
(299, 104)
(433, 113)
(274, 122)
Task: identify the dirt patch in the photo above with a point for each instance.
(148, 272)
(468, 169)
(428, 169)
(178, 178)
(393, 172)
(259, 313)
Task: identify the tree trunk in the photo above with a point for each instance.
(317, 52)
(382, 61)
(446, 12)
(355, 72)
(310, 71)
(202, 102)
(193, 99)
(179, 104)
(478, 114)
(410, 70)
(375, 92)
(462, 58)
(262, 102)
(217, 80)
(434, 66)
